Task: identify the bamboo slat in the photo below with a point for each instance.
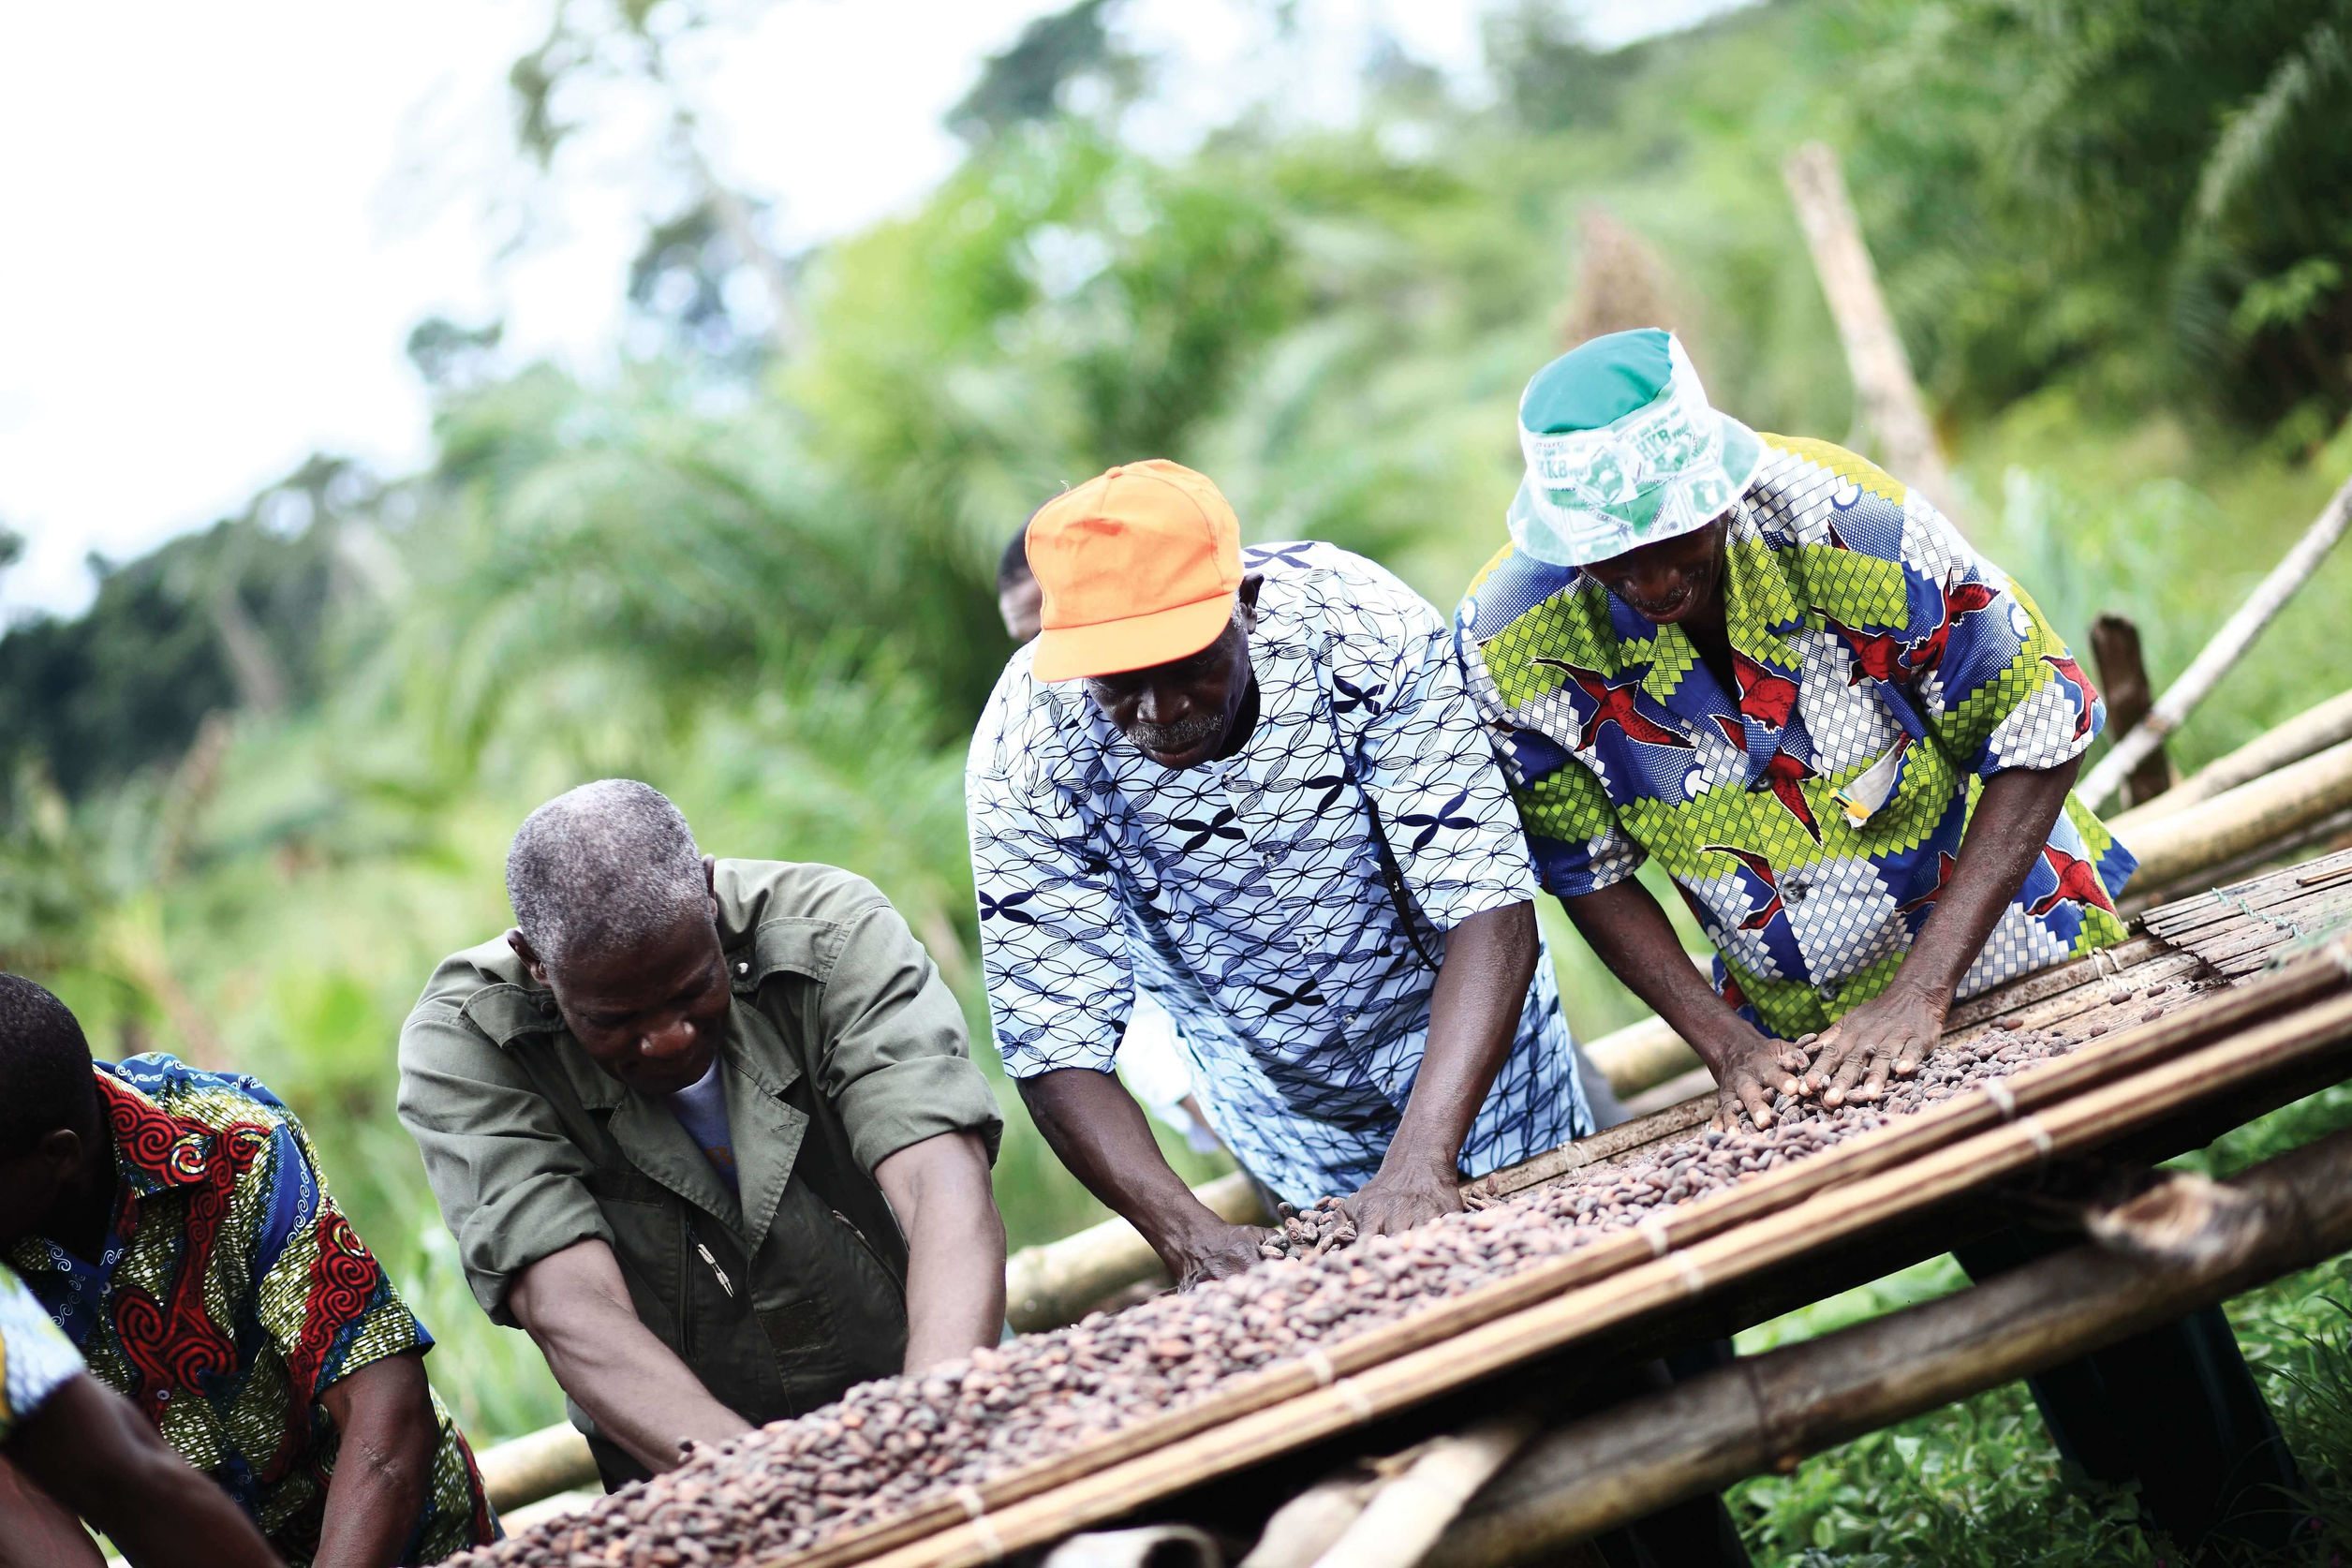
(1901, 1167)
(1773, 1409)
(1674, 1276)
(2316, 729)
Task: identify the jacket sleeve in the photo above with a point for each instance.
(513, 1188)
(893, 1052)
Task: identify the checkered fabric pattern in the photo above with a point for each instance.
(1246, 898)
(36, 1357)
(230, 1292)
(1865, 634)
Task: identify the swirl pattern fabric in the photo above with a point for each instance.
(1811, 818)
(1246, 897)
(230, 1292)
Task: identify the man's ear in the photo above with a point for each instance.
(710, 882)
(531, 966)
(1246, 605)
(63, 1149)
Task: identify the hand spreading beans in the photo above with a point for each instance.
(896, 1443)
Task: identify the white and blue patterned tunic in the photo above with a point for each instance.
(1246, 896)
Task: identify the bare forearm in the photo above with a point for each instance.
(92, 1451)
(939, 1189)
(641, 1396)
(1096, 1129)
(1629, 934)
(2014, 815)
(1474, 1011)
(383, 1413)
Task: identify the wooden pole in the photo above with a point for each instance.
(2214, 661)
(534, 1466)
(2174, 848)
(1874, 350)
(2316, 729)
(2123, 679)
(1409, 1512)
(2183, 1250)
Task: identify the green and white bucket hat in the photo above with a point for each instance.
(1622, 451)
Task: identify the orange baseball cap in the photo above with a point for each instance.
(1137, 567)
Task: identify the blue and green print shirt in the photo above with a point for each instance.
(1246, 897)
(1812, 816)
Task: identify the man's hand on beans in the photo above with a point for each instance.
(1893, 1033)
(1751, 1069)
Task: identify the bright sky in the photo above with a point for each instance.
(223, 220)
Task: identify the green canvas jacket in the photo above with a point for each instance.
(843, 1046)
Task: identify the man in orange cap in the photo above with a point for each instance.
(1251, 786)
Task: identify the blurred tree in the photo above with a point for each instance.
(1551, 79)
(1034, 80)
(2037, 174)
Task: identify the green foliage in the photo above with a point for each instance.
(764, 581)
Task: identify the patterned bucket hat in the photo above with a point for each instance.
(1622, 451)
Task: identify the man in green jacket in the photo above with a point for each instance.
(708, 1131)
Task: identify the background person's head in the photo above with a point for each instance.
(1142, 598)
(614, 913)
(52, 1132)
(1630, 475)
(1019, 600)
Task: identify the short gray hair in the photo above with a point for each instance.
(601, 869)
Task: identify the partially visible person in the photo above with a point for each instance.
(73, 1449)
(708, 1131)
(173, 1222)
(1850, 740)
(1151, 1059)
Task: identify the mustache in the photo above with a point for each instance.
(1186, 734)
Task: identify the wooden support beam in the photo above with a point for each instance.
(2176, 848)
(2184, 1245)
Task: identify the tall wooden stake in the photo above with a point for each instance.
(1873, 351)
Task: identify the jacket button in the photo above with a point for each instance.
(743, 966)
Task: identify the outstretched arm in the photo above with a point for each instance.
(89, 1448)
(1895, 1030)
(1623, 924)
(1474, 1011)
(574, 1305)
(1098, 1131)
(939, 1189)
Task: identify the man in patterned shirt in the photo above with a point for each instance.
(173, 1224)
(1252, 787)
(72, 1449)
(1848, 739)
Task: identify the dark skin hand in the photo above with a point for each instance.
(1474, 1012)
(1894, 1032)
(89, 1449)
(1631, 933)
(1678, 582)
(1097, 1130)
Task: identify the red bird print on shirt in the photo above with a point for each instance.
(1877, 656)
(1733, 730)
(1761, 868)
(1615, 707)
(1959, 598)
(1782, 776)
(1765, 695)
(1944, 865)
(2078, 883)
(2085, 694)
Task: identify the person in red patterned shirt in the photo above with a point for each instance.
(173, 1222)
